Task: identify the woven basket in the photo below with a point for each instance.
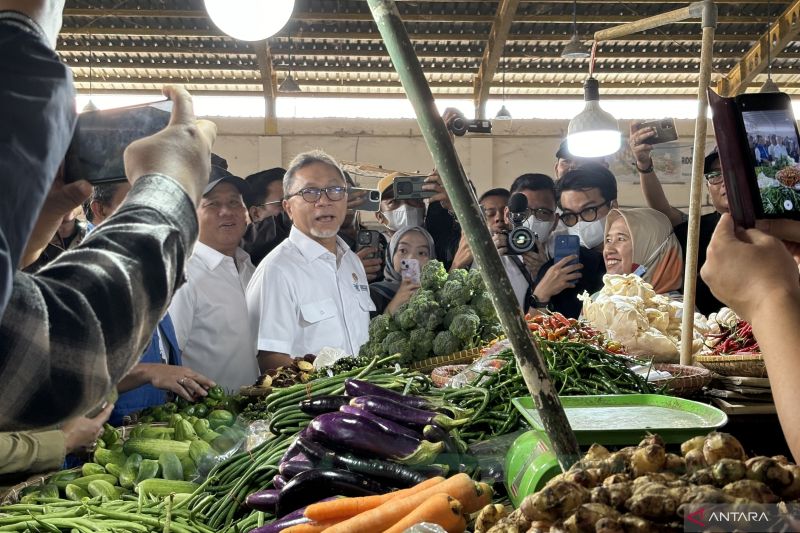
(686, 381)
(442, 374)
(458, 358)
(750, 365)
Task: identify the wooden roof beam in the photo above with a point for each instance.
(755, 60)
(492, 54)
(270, 83)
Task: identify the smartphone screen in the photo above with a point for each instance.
(565, 246)
(100, 138)
(772, 138)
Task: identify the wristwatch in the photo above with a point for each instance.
(537, 304)
(648, 170)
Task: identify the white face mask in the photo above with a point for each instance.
(591, 233)
(404, 216)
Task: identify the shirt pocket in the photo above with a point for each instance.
(314, 312)
(365, 302)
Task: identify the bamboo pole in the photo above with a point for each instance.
(529, 360)
(707, 12)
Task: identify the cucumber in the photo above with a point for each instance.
(189, 469)
(104, 456)
(49, 490)
(199, 450)
(149, 469)
(91, 469)
(152, 448)
(113, 469)
(103, 490)
(157, 433)
(83, 482)
(165, 487)
(210, 436)
(76, 493)
(170, 466)
(184, 431)
(62, 479)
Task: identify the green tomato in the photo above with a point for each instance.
(171, 407)
(189, 411)
(216, 393)
(210, 402)
(200, 410)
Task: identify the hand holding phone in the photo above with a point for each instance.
(368, 238)
(664, 130)
(565, 246)
(364, 199)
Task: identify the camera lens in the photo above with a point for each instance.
(403, 188)
(520, 240)
(374, 196)
(363, 238)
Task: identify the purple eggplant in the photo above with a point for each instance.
(395, 474)
(279, 481)
(402, 414)
(263, 500)
(387, 425)
(434, 433)
(290, 469)
(356, 387)
(309, 486)
(291, 451)
(362, 435)
(292, 519)
(323, 404)
(429, 471)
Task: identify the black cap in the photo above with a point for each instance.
(219, 175)
(563, 151)
(709, 161)
(497, 191)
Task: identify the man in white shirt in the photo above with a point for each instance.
(311, 291)
(210, 312)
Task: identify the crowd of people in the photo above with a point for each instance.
(187, 276)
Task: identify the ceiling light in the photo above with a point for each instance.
(593, 132)
(503, 114)
(288, 85)
(769, 87)
(90, 106)
(575, 49)
(250, 20)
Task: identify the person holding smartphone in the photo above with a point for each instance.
(409, 250)
(654, 196)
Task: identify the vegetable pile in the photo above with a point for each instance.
(449, 313)
(557, 327)
(216, 400)
(301, 371)
(735, 339)
(644, 488)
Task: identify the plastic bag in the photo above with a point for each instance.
(425, 527)
(487, 365)
(327, 356)
(491, 456)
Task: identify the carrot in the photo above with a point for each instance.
(310, 527)
(439, 509)
(343, 508)
(473, 497)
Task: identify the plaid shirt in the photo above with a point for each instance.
(73, 330)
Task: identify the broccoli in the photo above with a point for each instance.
(465, 327)
(421, 343)
(425, 310)
(397, 342)
(380, 326)
(446, 343)
(370, 349)
(404, 317)
(433, 275)
(458, 274)
(454, 312)
(454, 293)
(483, 307)
(475, 281)
(491, 331)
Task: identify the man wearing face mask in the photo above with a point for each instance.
(583, 197)
(433, 214)
(268, 225)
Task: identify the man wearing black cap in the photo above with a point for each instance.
(565, 161)
(705, 302)
(210, 312)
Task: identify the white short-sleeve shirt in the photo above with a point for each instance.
(210, 317)
(302, 299)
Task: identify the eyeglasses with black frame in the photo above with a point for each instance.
(542, 214)
(714, 177)
(588, 214)
(313, 194)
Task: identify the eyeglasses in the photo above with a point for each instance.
(714, 177)
(313, 194)
(542, 213)
(588, 214)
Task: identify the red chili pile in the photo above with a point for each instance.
(737, 340)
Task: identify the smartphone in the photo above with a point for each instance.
(368, 238)
(565, 246)
(100, 138)
(664, 128)
(372, 199)
(409, 269)
(410, 187)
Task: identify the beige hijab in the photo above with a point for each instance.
(655, 247)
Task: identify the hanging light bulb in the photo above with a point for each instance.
(90, 106)
(504, 113)
(575, 48)
(289, 85)
(250, 20)
(769, 85)
(593, 132)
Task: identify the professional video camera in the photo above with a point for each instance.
(520, 239)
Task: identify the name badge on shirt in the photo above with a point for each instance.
(357, 286)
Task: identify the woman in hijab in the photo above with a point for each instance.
(640, 241)
(408, 243)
